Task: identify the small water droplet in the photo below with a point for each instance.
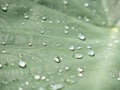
(70, 81)
(57, 59)
(78, 48)
(36, 77)
(44, 44)
(44, 18)
(78, 56)
(3, 43)
(26, 16)
(118, 78)
(80, 70)
(22, 64)
(4, 7)
(20, 88)
(1, 65)
(80, 74)
(50, 22)
(65, 2)
(56, 86)
(66, 32)
(86, 19)
(27, 83)
(58, 45)
(86, 4)
(41, 88)
(67, 68)
(91, 53)
(42, 32)
(79, 17)
(30, 44)
(3, 51)
(66, 27)
(81, 37)
(58, 21)
(89, 47)
(43, 78)
(71, 48)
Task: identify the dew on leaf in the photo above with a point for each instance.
(44, 18)
(57, 21)
(78, 48)
(67, 68)
(44, 44)
(56, 86)
(91, 53)
(50, 22)
(22, 64)
(41, 88)
(70, 81)
(36, 77)
(71, 48)
(27, 83)
(20, 88)
(81, 36)
(57, 59)
(78, 56)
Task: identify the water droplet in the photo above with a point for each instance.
(86, 4)
(118, 78)
(44, 18)
(70, 81)
(86, 19)
(67, 68)
(26, 16)
(57, 86)
(66, 32)
(3, 43)
(22, 64)
(81, 37)
(30, 44)
(91, 53)
(80, 74)
(58, 45)
(27, 83)
(79, 17)
(89, 47)
(1, 65)
(78, 56)
(71, 48)
(50, 22)
(41, 88)
(42, 32)
(20, 88)
(57, 59)
(66, 27)
(4, 7)
(3, 51)
(80, 70)
(44, 44)
(65, 2)
(79, 47)
(43, 78)
(58, 21)
(36, 77)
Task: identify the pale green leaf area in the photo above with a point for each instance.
(59, 45)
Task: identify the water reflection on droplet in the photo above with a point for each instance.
(26, 16)
(57, 59)
(3, 43)
(80, 70)
(30, 44)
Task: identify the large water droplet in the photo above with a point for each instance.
(56, 86)
(78, 56)
(43, 77)
(86, 4)
(91, 53)
(44, 18)
(22, 64)
(71, 48)
(81, 37)
(57, 59)
(3, 43)
(30, 44)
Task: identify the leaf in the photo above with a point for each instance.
(59, 44)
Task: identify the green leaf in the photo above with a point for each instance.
(59, 44)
